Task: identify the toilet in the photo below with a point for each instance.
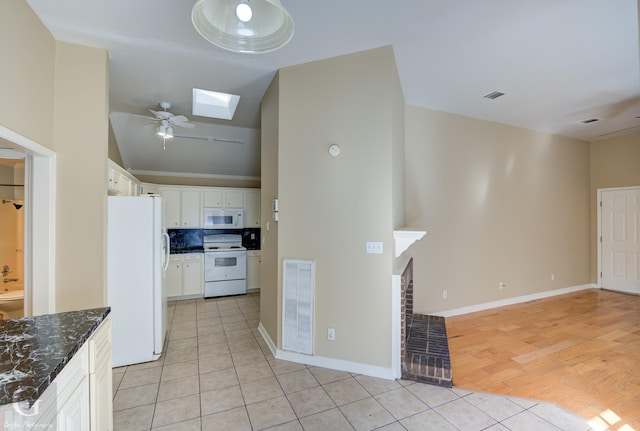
(12, 304)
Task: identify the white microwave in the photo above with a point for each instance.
(223, 218)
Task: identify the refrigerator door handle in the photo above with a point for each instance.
(167, 251)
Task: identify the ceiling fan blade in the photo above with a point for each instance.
(146, 117)
(183, 124)
(179, 119)
(161, 115)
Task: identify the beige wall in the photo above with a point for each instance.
(331, 206)
(615, 162)
(500, 204)
(27, 73)
(269, 269)
(397, 155)
(56, 94)
(80, 142)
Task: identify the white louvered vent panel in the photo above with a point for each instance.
(298, 306)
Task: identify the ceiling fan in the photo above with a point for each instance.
(167, 120)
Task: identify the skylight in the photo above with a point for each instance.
(213, 104)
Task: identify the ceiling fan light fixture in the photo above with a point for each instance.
(268, 25)
(169, 133)
(162, 130)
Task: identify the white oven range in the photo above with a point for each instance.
(225, 265)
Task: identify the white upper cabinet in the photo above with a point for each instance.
(184, 205)
(252, 208)
(233, 199)
(191, 208)
(171, 199)
(183, 208)
(120, 182)
(223, 198)
(213, 198)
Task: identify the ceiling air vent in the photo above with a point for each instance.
(493, 95)
(591, 120)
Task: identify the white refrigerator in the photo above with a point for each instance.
(137, 258)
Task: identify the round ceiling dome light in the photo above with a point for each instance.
(263, 26)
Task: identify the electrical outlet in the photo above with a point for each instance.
(445, 294)
(553, 277)
(331, 334)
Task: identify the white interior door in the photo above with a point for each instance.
(620, 239)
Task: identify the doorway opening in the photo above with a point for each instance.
(35, 259)
(12, 239)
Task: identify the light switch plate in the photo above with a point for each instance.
(374, 247)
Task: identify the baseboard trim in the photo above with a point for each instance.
(267, 339)
(512, 301)
(324, 362)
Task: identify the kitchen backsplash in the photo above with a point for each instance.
(192, 238)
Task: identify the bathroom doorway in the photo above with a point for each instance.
(12, 213)
(35, 260)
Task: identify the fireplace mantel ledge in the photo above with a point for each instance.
(405, 237)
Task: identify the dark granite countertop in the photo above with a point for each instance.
(185, 250)
(33, 350)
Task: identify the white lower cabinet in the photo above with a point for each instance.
(101, 378)
(254, 260)
(174, 276)
(79, 398)
(185, 275)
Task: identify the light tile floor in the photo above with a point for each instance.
(217, 373)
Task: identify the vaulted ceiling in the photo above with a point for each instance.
(558, 63)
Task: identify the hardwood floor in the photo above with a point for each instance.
(580, 350)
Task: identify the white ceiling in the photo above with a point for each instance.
(558, 61)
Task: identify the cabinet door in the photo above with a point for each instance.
(191, 207)
(74, 413)
(100, 378)
(174, 277)
(253, 271)
(233, 199)
(192, 276)
(113, 180)
(252, 208)
(171, 208)
(65, 403)
(213, 199)
(125, 186)
(147, 188)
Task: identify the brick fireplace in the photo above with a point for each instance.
(424, 347)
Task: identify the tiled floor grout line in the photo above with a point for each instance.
(179, 315)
